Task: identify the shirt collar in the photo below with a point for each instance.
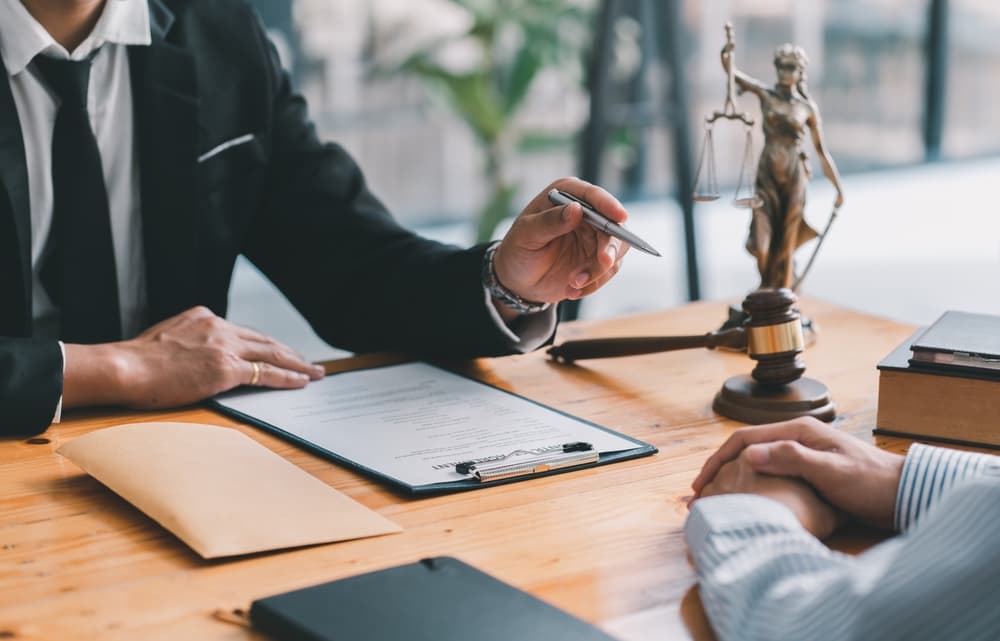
(22, 38)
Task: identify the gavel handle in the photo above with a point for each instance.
(570, 351)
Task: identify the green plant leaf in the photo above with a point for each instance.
(478, 103)
(498, 208)
(519, 39)
(471, 95)
(526, 66)
(541, 141)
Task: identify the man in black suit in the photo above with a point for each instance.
(144, 146)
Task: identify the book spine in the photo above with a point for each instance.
(944, 408)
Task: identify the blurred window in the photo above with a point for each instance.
(867, 72)
(417, 155)
(971, 118)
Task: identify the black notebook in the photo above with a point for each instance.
(439, 599)
(960, 340)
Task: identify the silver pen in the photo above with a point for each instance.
(602, 223)
(486, 473)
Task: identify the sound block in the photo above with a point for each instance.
(744, 399)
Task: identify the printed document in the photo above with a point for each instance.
(413, 422)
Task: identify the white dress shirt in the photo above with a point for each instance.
(763, 576)
(109, 103)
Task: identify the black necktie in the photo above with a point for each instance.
(78, 270)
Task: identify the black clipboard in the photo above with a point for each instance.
(641, 449)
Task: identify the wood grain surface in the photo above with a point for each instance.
(605, 544)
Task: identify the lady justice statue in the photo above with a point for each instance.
(778, 228)
(768, 326)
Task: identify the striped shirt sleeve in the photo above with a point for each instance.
(762, 576)
(929, 473)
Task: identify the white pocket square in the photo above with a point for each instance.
(218, 149)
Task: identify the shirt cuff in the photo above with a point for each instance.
(729, 513)
(58, 415)
(527, 332)
(929, 473)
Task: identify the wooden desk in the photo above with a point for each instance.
(77, 562)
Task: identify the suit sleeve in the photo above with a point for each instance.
(362, 281)
(30, 385)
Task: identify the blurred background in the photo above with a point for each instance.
(459, 111)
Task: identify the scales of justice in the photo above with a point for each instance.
(768, 326)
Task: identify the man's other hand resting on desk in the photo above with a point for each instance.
(770, 492)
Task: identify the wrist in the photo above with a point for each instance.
(817, 517)
(879, 505)
(508, 303)
(507, 315)
(95, 375)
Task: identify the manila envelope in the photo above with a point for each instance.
(218, 490)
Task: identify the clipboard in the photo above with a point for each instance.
(638, 448)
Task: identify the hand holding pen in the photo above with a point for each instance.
(601, 222)
(551, 253)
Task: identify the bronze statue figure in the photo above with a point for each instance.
(769, 326)
(778, 228)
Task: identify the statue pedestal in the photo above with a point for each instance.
(744, 399)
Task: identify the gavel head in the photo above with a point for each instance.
(774, 336)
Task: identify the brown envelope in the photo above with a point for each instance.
(218, 490)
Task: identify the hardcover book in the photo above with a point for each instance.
(951, 405)
(960, 340)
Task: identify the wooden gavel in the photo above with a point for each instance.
(772, 336)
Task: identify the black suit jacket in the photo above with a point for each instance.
(297, 208)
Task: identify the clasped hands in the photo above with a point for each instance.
(822, 474)
(548, 255)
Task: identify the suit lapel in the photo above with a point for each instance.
(15, 249)
(166, 107)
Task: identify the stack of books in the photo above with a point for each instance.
(943, 383)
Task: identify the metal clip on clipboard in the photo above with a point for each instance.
(567, 455)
